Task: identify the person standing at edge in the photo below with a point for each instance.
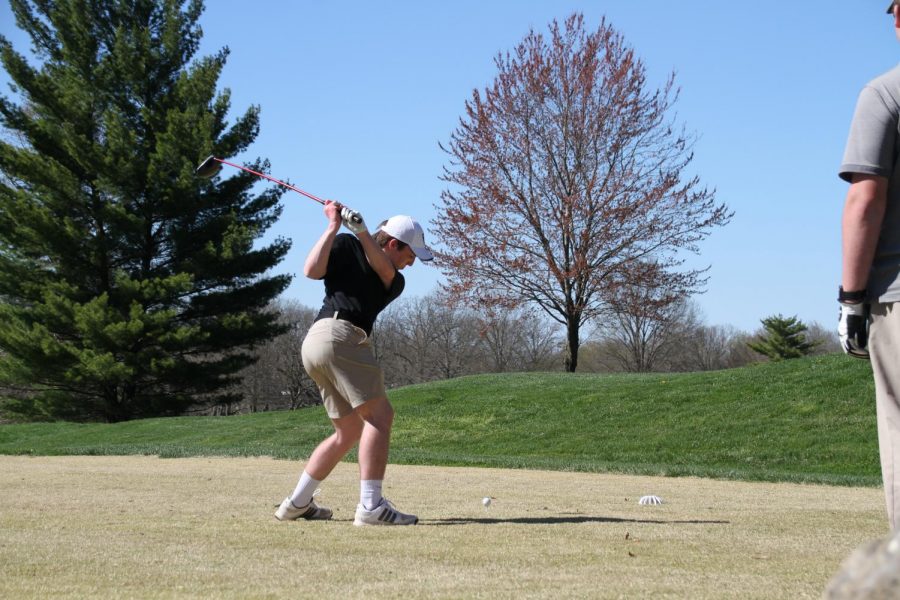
(362, 276)
(869, 325)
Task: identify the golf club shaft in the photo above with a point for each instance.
(264, 176)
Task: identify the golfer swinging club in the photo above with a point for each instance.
(362, 276)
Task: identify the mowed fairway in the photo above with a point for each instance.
(146, 527)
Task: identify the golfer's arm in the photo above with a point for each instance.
(861, 227)
(317, 260)
(378, 260)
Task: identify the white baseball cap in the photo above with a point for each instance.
(409, 232)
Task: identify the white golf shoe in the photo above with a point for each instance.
(311, 512)
(383, 514)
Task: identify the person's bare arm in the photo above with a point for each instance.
(861, 226)
(378, 260)
(317, 260)
(375, 256)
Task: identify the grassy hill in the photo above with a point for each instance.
(808, 420)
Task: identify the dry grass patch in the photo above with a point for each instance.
(160, 528)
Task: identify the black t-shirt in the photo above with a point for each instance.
(352, 286)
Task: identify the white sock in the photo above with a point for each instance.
(303, 493)
(370, 493)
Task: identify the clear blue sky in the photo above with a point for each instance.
(356, 96)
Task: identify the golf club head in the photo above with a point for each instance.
(208, 168)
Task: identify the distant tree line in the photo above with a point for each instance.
(422, 339)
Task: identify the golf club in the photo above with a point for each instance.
(212, 165)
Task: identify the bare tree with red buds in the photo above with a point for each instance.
(566, 183)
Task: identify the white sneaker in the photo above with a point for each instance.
(383, 514)
(311, 512)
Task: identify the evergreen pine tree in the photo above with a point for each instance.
(128, 286)
(784, 338)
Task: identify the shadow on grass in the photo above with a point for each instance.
(561, 521)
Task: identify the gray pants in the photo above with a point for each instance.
(884, 349)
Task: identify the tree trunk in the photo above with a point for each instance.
(113, 405)
(572, 328)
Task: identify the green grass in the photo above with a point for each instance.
(809, 420)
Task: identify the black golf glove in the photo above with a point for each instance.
(352, 220)
(853, 326)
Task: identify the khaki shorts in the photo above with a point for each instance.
(338, 356)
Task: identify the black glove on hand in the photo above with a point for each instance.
(853, 327)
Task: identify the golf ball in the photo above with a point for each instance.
(486, 501)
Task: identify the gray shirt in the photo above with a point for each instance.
(872, 149)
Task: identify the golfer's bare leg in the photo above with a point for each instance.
(347, 432)
(378, 415)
